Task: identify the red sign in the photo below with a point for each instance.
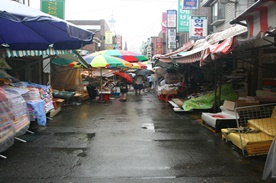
(164, 22)
(158, 45)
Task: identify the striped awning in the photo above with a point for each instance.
(259, 18)
(167, 57)
(65, 54)
(218, 50)
(25, 53)
(203, 48)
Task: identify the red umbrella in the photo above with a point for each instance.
(124, 75)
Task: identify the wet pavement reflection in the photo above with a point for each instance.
(141, 140)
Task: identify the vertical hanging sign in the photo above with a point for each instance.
(172, 38)
(183, 18)
(158, 45)
(108, 37)
(164, 22)
(53, 7)
(198, 27)
(171, 28)
(171, 18)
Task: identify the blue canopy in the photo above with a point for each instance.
(25, 28)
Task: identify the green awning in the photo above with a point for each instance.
(71, 55)
(26, 53)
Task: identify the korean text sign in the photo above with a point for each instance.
(198, 27)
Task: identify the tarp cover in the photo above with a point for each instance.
(206, 101)
(66, 78)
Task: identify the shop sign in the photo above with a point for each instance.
(172, 38)
(183, 18)
(164, 22)
(171, 18)
(53, 7)
(198, 27)
(190, 4)
(158, 45)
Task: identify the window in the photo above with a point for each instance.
(218, 11)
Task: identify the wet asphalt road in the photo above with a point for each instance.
(141, 140)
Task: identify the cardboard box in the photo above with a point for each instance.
(262, 93)
(231, 105)
(169, 92)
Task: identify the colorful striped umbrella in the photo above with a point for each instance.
(138, 65)
(105, 61)
(124, 54)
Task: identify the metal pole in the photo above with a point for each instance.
(101, 96)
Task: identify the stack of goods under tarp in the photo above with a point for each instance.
(37, 97)
(164, 88)
(18, 107)
(7, 130)
(39, 101)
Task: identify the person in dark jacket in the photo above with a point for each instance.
(92, 89)
(123, 89)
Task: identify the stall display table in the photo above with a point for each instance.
(104, 96)
(166, 95)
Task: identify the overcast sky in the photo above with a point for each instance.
(136, 20)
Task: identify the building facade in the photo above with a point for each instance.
(100, 27)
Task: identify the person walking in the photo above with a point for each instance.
(138, 85)
(150, 81)
(123, 89)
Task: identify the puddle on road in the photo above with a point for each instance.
(78, 151)
(89, 136)
(148, 126)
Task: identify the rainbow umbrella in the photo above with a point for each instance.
(124, 54)
(138, 65)
(105, 61)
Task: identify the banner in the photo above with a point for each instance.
(108, 37)
(183, 18)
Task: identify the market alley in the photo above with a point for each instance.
(140, 140)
